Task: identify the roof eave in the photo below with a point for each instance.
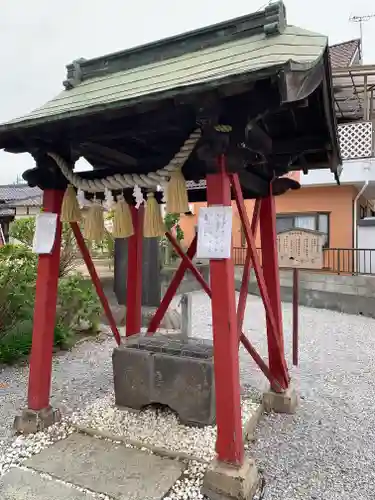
(144, 99)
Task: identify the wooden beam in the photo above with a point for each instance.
(298, 145)
(257, 139)
(90, 148)
(254, 183)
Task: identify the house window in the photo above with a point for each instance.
(315, 221)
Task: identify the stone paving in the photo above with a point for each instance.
(96, 465)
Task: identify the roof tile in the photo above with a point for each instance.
(213, 64)
(341, 54)
(14, 192)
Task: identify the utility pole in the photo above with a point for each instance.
(361, 20)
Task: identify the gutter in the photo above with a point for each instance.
(355, 213)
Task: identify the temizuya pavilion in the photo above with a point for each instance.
(216, 114)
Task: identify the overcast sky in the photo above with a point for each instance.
(39, 37)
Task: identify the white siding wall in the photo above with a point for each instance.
(22, 212)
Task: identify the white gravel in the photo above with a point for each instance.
(158, 428)
(190, 484)
(325, 451)
(23, 447)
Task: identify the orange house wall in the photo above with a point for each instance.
(335, 200)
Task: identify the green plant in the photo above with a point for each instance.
(17, 285)
(22, 230)
(171, 221)
(77, 306)
(16, 341)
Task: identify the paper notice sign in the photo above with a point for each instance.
(214, 232)
(45, 233)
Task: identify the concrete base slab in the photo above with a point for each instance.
(20, 484)
(225, 482)
(31, 421)
(107, 467)
(250, 426)
(284, 402)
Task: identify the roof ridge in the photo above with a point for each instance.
(346, 42)
(20, 184)
(269, 21)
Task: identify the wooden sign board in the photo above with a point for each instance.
(300, 248)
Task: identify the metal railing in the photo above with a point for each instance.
(335, 260)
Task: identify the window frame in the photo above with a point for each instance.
(362, 212)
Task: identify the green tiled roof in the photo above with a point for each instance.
(235, 59)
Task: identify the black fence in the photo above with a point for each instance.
(335, 260)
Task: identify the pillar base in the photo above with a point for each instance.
(226, 482)
(283, 402)
(31, 421)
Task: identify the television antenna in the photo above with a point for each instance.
(361, 20)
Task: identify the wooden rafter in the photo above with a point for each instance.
(112, 155)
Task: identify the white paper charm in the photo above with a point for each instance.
(45, 233)
(138, 196)
(163, 188)
(109, 199)
(214, 232)
(81, 198)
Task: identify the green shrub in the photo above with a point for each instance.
(15, 342)
(171, 221)
(22, 230)
(17, 285)
(77, 304)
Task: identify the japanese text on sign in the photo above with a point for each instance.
(214, 232)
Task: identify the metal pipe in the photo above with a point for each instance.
(295, 315)
(355, 215)
(355, 211)
(365, 100)
(186, 308)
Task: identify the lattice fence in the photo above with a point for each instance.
(196, 185)
(355, 140)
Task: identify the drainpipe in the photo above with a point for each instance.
(355, 212)
(355, 215)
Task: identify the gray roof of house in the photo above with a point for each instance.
(342, 54)
(20, 194)
(33, 201)
(233, 50)
(6, 211)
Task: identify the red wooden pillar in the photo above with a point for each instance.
(45, 313)
(229, 443)
(267, 222)
(134, 275)
(95, 279)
